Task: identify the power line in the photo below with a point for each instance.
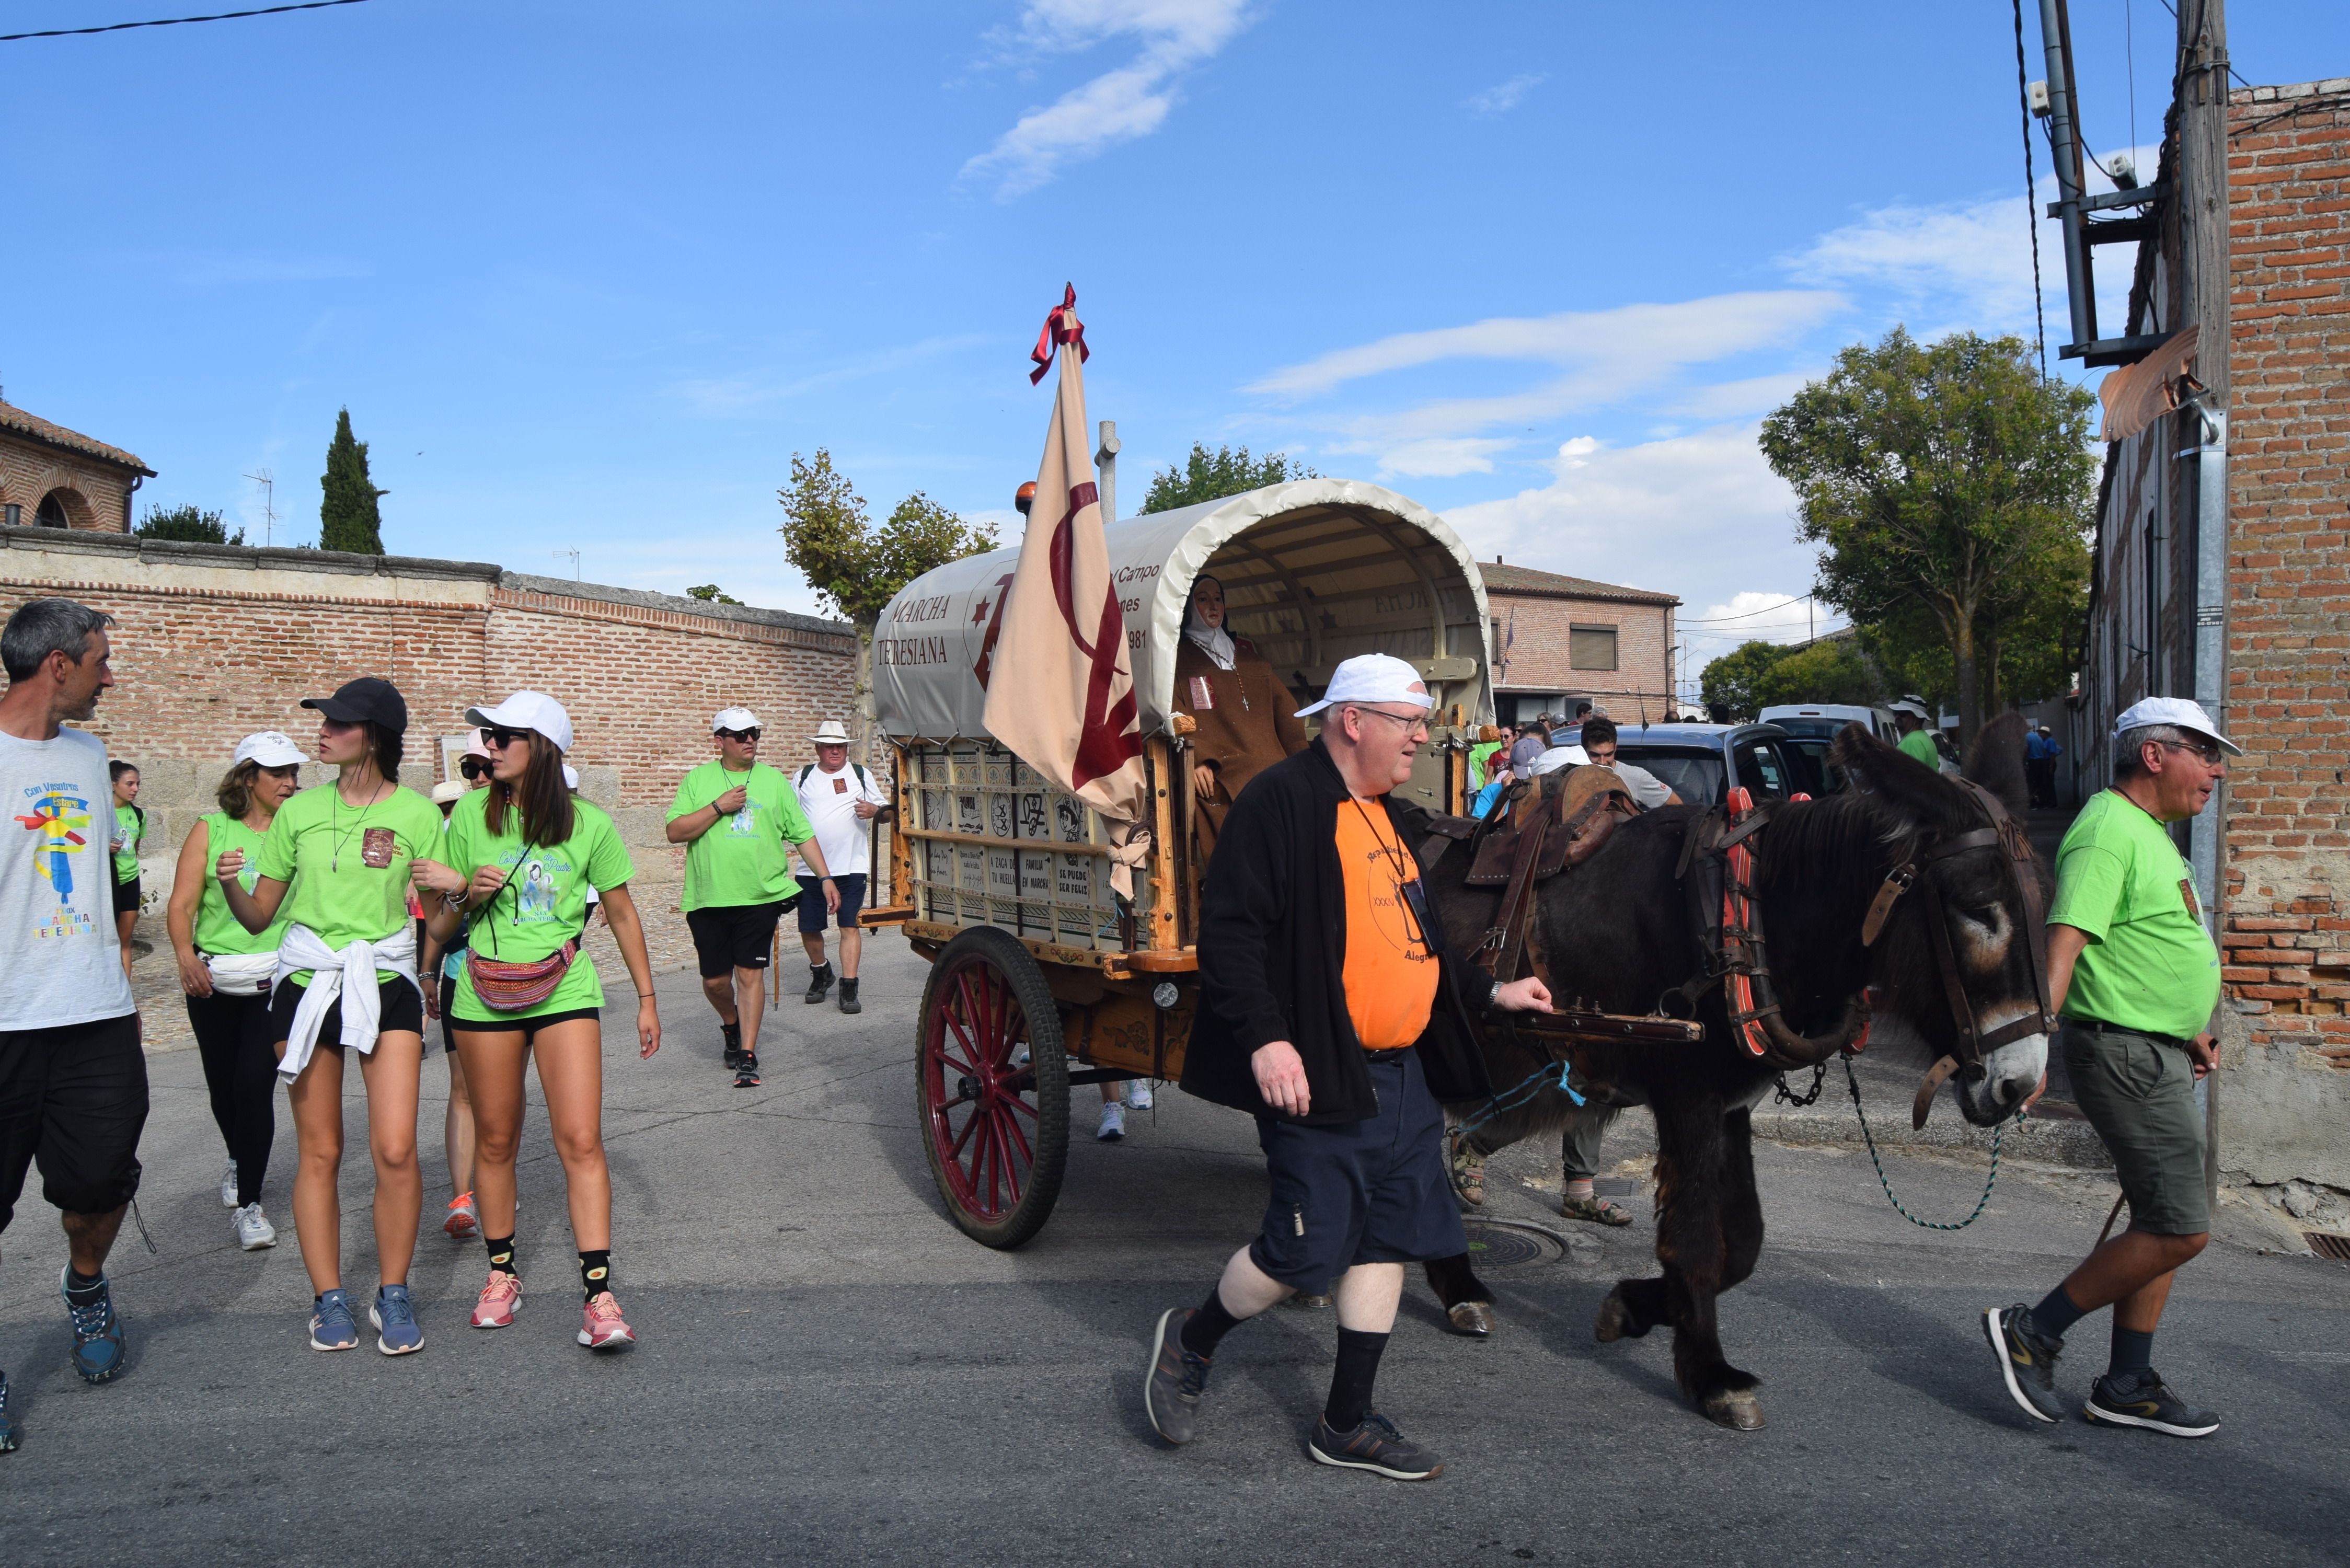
(1749, 615)
(2031, 196)
(175, 21)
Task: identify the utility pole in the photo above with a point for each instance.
(268, 483)
(2073, 204)
(1105, 464)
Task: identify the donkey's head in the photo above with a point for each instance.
(1962, 952)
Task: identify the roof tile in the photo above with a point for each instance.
(15, 420)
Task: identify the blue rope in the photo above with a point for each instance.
(1552, 1076)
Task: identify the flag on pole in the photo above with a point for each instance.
(1063, 693)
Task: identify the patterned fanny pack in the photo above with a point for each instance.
(512, 987)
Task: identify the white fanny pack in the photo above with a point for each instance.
(241, 974)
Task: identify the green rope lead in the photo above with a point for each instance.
(1998, 1135)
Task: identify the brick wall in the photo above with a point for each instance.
(93, 493)
(2287, 927)
(212, 643)
(1539, 659)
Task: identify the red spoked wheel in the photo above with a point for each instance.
(993, 1087)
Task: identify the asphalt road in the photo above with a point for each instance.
(829, 1370)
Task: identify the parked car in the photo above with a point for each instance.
(1813, 727)
(1701, 763)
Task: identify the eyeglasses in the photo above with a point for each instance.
(501, 739)
(2209, 750)
(1417, 721)
(473, 768)
(744, 736)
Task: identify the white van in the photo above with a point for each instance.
(1821, 721)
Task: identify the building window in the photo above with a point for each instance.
(1591, 647)
(52, 512)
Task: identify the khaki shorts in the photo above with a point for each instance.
(2138, 1092)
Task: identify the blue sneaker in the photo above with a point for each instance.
(331, 1327)
(8, 1422)
(97, 1333)
(395, 1320)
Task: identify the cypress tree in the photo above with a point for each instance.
(349, 518)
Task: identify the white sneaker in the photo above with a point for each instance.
(1113, 1122)
(254, 1231)
(228, 1187)
(1138, 1094)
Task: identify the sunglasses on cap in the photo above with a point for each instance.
(473, 768)
(501, 739)
(743, 735)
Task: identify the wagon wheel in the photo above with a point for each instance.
(994, 1085)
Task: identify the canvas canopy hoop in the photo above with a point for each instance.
(1314, 571)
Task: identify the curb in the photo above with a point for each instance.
(2042, 1140)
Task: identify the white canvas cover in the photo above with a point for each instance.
(1314, 571)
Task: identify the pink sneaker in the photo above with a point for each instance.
(600, 1325)
(500, 1300)
(463, 1219)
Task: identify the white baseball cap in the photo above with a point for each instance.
(532, 710)
(570, 777)
(449, 792)
(2177, 712)
(1909, 705)
(734, 719)
(270, 748)
(1373, 678)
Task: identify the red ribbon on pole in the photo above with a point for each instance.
(1061, 326)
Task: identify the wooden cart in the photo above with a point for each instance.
(1042, 979)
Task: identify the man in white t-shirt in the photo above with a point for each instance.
(1599, 747)
(73, 1079)
(840, 799)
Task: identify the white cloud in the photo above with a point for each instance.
(1500, 99)
(1753, 615)
(1442, 457)
(746, 391)
(1117, 106)
(1733, 399)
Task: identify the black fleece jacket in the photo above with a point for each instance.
(1273, 945)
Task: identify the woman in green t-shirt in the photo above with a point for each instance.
(344, 850)
(129, 827)
(529, 852)
(226, 971)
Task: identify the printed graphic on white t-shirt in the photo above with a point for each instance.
(60, 960)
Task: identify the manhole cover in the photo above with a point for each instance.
(1503, 1245)
(2324, 1244)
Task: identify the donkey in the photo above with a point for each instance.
(1616, 934)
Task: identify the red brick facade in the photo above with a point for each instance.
(2287, 939)
(49, 473)
(1535, 615)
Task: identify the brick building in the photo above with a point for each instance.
(213, 641)
(1558, 640)
(2263, 442)
(51, 477)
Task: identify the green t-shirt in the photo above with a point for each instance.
(129, 827)
(544, 903)
(2149, 963)
(349, 869)
(217, 929)
(1477, 756)
(742, 858)
(1918, 744)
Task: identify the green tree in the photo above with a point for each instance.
(1211, 476)
(856, 568)
(349, 518)
(709, 593)
(1832, 670)
(1735, 680)
(189, 524)
(1950, 479)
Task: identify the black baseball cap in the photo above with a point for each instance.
(367, 700)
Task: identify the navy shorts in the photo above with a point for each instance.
(1373, 1191)
(813, 912)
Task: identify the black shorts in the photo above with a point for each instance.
(528, 1026)
(447, 1000)
(728, 937)
(813, 912)
(1373, 1191)
(75, 1099)
(126, 896)
(400, 1007)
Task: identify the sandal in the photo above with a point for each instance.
(1597, 1210)
(1468, 1169)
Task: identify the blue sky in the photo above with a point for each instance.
(588, 273)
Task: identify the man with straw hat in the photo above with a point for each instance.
(838, 798)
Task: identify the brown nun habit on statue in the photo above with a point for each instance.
(1247, 722)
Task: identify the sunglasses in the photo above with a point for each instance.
(473, 768)
(2209, 751)
(502, 739)
(746, 736)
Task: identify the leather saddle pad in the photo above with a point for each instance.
(1580, 805)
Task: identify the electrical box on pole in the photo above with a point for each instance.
(2073, 204)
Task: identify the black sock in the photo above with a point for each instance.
(78, 1281)
(1206, 1328)
(733, 1033)
(1351, 1379)
(595, 1271)
(2056, 1314)
(501, 1254)
(824, 968)
(2133, 1352)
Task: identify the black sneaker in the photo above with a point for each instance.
(820, 982)
(733, 1033)
(1177, 1378)
(8, 1422)
(97, 1350)
(1375, 1446)
(746, 1071)
(2027, 1361)
(848, 1003)
(2143, 1399)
